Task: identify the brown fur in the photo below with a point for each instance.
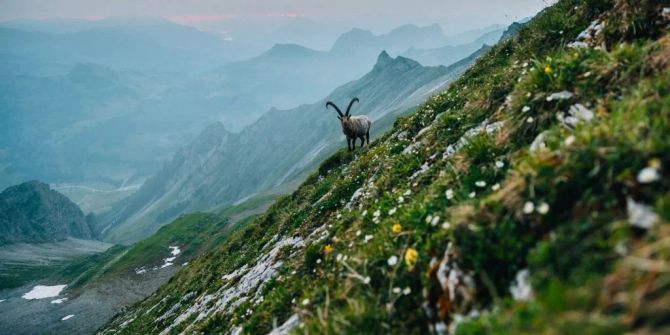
(353, 127)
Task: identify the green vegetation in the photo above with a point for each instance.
(443, 219)
(75, 271)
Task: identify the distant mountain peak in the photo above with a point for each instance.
(33, 212)
(384, 61)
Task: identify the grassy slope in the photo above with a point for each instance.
(591, 271)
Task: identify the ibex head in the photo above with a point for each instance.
(342, 117)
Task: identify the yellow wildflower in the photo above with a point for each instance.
(548, 69)
(328, 249)
(654, 163)
(411, 255)
(396, 228)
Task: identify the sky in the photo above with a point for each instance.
(378, 13)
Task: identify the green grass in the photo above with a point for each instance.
(583, 256)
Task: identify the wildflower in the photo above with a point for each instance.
(446, 225)
(530, 119)
(407, 193)
(500, 164)
(393, 260)
(528, 207)
(407, 290)
(377, 213)
(650, 173)
(548, 69)
(472, 194)
(450, 194)
(480, 183)
(365, 212)
(339, 216)
(525, 109)
(396, 290)
(328, 249)
(366, 280)
(339, 257)
(569, 140)
(411, 256)
(396, 228)
(429, 218)
(305, 302)
(367, 238)
(543, 208)
(358, 233)
(495, 187)
(401, 199)
(392, 211)
(318, 261)
(435, 221)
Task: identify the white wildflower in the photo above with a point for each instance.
(401, 199)
(338, 257)
(525, 109)
(396, 290)
(648, 175)
(407, 193)
(407, 290)
(365, 212)
(495, 187)
(429, 219)
(393, 260)
(377, 213)
(366, 280)
(446, 225)
(521, 289)
(305, 302)
(358, 233)
(367, 238)
(318, 261)
(480, 183)
(472, 194)
(543, 208)
(530, 119)
(569, 140)
(392, 211)
(528, 207)
(500, 164)
(640, 215)
(450, 194)
(435, 221)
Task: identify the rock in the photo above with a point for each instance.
(576, 114)
(563, 95)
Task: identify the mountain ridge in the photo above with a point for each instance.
(32, 212)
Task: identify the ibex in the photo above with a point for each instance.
(353, 127)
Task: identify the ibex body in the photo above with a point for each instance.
(353, 127)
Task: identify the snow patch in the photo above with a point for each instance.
(42, 291)
(67, 317)
(58, 301)
(174, 251)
